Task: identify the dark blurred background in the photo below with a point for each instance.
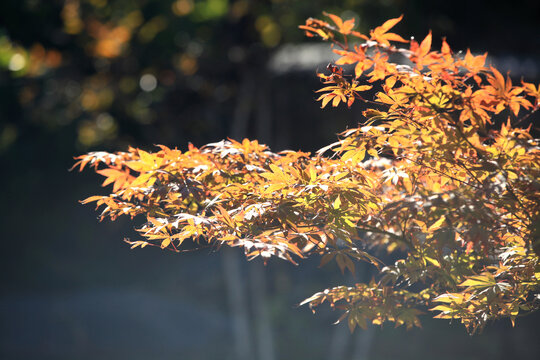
(86, 75)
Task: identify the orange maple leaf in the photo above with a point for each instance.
(317, 27)
(503, 94)
(344, 27)
(421, 53)
(381, 34)
(357, 56)
(474, 65)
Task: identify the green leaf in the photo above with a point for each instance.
(480, 281)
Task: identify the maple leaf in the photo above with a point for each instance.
(381, 68)
(344, 27)
(421, 54)
(345, 92)
(501, 93)
(381, 35)
(473, 65)
(120, 178)
(358, 57)
(533, 91)
(393, 98)
(317, 27)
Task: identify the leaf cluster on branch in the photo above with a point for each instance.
(431, 174)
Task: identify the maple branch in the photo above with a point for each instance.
(526, 116)
(440, 172)
(460, 163)
(510, 189)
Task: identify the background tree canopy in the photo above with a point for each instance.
(78, 75)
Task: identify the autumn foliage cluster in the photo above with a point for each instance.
(441, 172)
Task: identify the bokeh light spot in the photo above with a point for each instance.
(187, 64)
(182, 7)
(17, 62)
(148, 82)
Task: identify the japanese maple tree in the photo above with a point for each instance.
(442, 171)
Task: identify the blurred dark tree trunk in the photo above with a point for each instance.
(236, 294)
(253, 103)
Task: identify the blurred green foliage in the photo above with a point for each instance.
(112, 68)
